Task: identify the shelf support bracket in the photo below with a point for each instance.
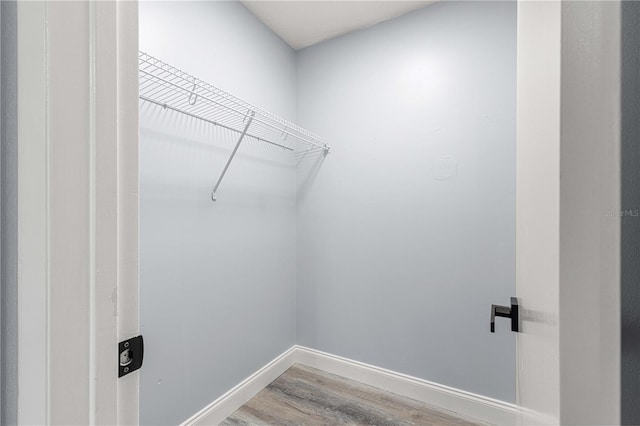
(248, 119)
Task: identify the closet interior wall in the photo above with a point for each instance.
(217, 280)
(389, 251)
(406, 232)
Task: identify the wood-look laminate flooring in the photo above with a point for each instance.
(307, 396)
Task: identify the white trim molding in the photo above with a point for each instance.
(33, 215)
(463, 404)
(224, 406)
(77, 210)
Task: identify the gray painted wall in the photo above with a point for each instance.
(630, 199)
(217, 279)
(406, 232)
(8, 214)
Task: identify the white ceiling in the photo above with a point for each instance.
(304, 23)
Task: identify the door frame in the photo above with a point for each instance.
(568, 211)
(77, 210)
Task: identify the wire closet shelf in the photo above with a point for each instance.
(169, 87)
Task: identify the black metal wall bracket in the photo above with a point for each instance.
(130, 355)
(505, 311)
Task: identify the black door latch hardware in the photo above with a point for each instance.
(130, 355)
(505, 311)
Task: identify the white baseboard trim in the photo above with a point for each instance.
(224, 406)
(464, 404)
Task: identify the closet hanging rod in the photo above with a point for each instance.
(259, 139)
(190, 93)
(168, 86)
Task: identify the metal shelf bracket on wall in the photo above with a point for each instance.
(166, 86)
(249, 119)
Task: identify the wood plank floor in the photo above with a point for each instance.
(307, 396)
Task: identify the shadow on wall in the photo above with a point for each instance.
(201, 149)
(314, 162)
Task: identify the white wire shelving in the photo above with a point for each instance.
(172, 89)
